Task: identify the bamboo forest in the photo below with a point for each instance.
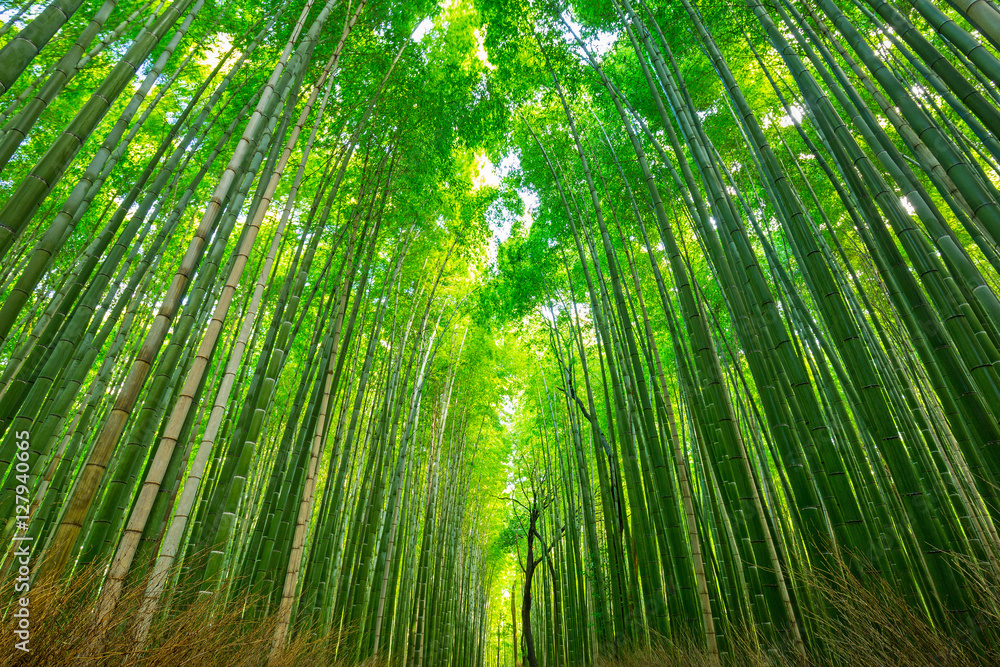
(500, 333)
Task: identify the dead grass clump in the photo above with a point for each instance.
(871, 624)
(204, 633)
(859, 624)
(667, 655)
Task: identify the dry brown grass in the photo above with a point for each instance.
(862, 625)
(866, 625)
(203, 634)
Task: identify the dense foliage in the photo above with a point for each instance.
(504, 332)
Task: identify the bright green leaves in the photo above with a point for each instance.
(523, 264)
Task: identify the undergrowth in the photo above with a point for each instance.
(860, 625)
(203, 633)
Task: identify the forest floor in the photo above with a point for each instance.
(863, 626)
